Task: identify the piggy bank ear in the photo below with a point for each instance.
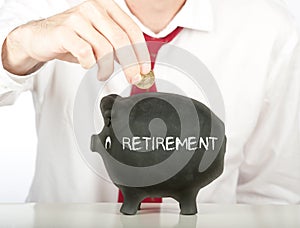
(106, 105)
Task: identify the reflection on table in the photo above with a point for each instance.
(151, 215)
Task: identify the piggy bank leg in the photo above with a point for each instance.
(187, 203)
(131, 203)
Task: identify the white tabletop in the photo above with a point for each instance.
(151, 215)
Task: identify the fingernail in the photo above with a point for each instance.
(137, 78)
(100, 77)
(146, 67)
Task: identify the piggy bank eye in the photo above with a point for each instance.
(107, 142)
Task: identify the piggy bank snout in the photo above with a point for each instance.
(95, 143)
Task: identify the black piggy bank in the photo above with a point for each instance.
(160, 145)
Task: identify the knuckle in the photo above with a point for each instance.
(120, 38)
(134, 31)
(86, 65)
(84, 51)
(132, 71)
(86, 6)
(74, 18)
(103, 49)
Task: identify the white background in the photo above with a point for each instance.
(18, 141)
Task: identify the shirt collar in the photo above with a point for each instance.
(195, 14)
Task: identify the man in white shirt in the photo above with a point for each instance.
(249, 46)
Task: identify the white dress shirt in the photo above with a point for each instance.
(250, 48)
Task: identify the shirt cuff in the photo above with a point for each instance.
(22, 78)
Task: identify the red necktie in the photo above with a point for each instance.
(153, 48)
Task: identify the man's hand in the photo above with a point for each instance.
(95, 31)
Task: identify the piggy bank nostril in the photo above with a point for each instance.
(107, 142)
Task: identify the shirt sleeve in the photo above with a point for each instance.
(12, 14)
(270, 172)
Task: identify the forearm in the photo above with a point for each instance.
(13, 58)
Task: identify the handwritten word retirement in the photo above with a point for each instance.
(168, 143)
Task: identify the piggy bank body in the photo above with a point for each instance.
(160, 145)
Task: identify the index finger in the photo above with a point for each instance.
(135, 36)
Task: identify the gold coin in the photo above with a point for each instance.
(147, 80)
